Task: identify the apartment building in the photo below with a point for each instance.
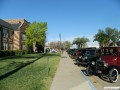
(16, 31)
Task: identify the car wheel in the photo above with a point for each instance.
(89, 71)
(113, 75)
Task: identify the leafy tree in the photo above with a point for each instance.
(52, 45)
(36, 32)
(55, 45)
(80, 42)
(66, 44)
(84, 41)
(105, 38)
(100, 37)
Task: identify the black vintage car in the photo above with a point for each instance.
(73, 53)
(86, 56)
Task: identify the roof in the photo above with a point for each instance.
(111, 47)
(5, 24)
(15, 23)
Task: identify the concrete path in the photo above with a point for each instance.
(69, 77)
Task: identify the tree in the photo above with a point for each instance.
(66, 44)
(36, 32)
(55, 45)
(105, 38)
(52, 45)
(100, 37)
(80, 42)
(84, 41)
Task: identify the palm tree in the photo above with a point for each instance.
(105, 38)
(110, 35)
(116, 36)
(66, 44)
(77, 41)
(100, 37)
(84, 41)
(80, 42)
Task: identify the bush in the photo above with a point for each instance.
(2, 54)
(12, 52)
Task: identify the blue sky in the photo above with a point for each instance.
(71, 18)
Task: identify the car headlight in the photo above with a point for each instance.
(105, 64)
(86, 57)
(80, 57)
(93, 63)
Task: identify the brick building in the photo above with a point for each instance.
(17, 36)
(6, 36)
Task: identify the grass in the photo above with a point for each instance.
(31, 73)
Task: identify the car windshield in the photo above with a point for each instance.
(90, 52)
(108, 51)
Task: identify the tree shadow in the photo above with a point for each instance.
(18, 67)
(48, 54)
(22, 56)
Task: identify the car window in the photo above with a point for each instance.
(109, 51)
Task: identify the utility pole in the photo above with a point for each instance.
(60, 40)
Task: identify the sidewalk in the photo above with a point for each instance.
(68, 76)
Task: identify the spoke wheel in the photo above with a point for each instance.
(89, 71)
(113, 75)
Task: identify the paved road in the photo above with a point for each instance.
(69, 77)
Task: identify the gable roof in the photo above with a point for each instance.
(5, 24)
(16, 23)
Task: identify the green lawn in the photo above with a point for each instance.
(28, 72)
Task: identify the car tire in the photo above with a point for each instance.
(113, 75)
(89, 72)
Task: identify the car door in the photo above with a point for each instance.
(118, 60)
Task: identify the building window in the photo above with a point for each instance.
(5, 34)
(23, 47)
(10, 46)
(5, 46)
(11, 34)
(23, 36)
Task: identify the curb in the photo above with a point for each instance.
(91, 85)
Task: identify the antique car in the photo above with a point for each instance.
(107, 64)
(86, 56)
(73, 53)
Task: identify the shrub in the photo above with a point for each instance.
(4, 53)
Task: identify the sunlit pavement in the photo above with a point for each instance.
(100, 83)
(69, 76)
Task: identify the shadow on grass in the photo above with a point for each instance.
(20, 66)
(27, 56)
(51, 54)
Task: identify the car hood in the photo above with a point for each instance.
(111, 60)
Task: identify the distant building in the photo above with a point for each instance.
(12, 34)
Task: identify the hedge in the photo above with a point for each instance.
(4, 53)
